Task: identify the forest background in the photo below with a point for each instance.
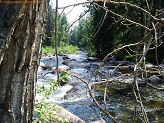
(100, 32)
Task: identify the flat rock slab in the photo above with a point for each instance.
(65, 114)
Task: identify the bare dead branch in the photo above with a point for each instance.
(158, 88)
(156, 52)
(77, 19)
(99, 25)
(74, 5)
(123, 18)
(132, 6)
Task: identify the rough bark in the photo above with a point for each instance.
(22, 28)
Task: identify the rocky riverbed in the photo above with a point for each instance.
(74, 96)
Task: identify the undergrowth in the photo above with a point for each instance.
(47, 111)
(68, 49)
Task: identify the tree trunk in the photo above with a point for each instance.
(22, 28)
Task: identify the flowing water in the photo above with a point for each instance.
(73, 96)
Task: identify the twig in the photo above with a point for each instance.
(99, 25)
(121, 17)
(155, 87)
(132, 6)
(48, 73)
(156, 52)
(77, 20)
(105, 93)
(75, 5)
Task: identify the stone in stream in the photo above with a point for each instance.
(65, 62)
(45, 67)
(68, 61)
(92, 59)
(65, 114)
(65, 57)
(62, 68)
(154, 79)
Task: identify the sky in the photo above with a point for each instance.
(73, 15)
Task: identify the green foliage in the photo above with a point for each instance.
(144, 63)
(46, 50)
(129, 57)
(103, 37)
(47, 88)
(50, 27)
(47, 111)
(92, 53)
(109, 32)
(80, 35)
(68, 49)
(63, 35)
(62, 49)
(64, 77)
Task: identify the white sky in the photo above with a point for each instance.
(73, 15)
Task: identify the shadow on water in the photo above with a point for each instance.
(120, 99)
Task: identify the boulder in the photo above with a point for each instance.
(42, 64)
(65, 62)
(72, 60)
(45, 67)
(92, 59)
(62, 68)
(154, 79)
(149, 65)
(65, 57)
(49, 54)
(65, 114)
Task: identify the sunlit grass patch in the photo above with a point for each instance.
(62, 49)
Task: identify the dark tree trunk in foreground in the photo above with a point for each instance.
(22, 28)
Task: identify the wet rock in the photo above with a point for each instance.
(149, 65)
(92, 59)
(49, 54)
(65, 57)
(162, 67)
(45, 67)
(65, 114)
(65, 62)
(161, 79)
(62, 68)
(42, 64)
(111, 61)
(124, 63)
(69, 61)
(154, 79)
(125, 69)
(95, 66)
(50, 58)
(72, 60)
(74, 64)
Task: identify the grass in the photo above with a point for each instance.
(64, 49)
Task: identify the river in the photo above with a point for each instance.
(120, 100)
